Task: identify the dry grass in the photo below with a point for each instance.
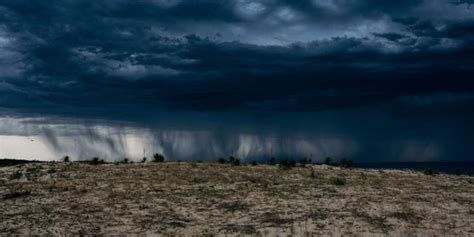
(187, 199)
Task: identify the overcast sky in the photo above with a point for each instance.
(362, 79)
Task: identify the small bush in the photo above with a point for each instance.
(272, 161)
(304, 162)
(144, 160)
(457, 172)
(346, 163)
(66, 159)
(158, 158)
(254, 163)
(95, 161)
(312, 174)
(338, 181)
(327, 161)
(125, 160)
(430, 172)
(16, 175)
(237, 162)
(234, 161)
(221, 160)
(16, 194)
(287, 164)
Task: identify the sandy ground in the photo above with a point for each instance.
(198, 199)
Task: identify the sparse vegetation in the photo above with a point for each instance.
(16, 194)
(410, 217)
(234, 206)
(379, 222)
(303, 201)
(221, 161)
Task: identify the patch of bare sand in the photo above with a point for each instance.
(197, 199)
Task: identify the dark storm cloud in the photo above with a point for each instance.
(133, 60)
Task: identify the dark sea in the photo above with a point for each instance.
(465, 167)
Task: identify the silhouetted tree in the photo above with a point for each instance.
(95, 160)
(236, 162)
(304, 161)
(221, 160)
(66, 159)
(287, 163)
(457, 172)
(346, 163)
(254, 163)
(272, 161)
(144, 160)
(158, 158)
(328, 161)
(430, 172)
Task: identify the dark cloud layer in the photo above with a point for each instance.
(131, 60)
